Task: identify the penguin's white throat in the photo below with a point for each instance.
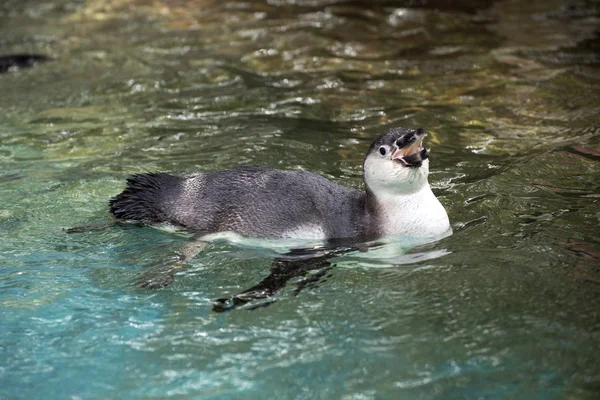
(387, 178)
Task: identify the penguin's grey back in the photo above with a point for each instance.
(248, 200)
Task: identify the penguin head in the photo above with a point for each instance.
(396, 162)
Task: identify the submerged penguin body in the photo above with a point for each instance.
(265, 202)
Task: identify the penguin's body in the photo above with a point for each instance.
(265, 202)
(248, 200)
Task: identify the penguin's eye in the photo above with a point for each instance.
(382, 151)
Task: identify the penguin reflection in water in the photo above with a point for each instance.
(262, 202)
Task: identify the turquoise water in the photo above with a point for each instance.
(506, 307)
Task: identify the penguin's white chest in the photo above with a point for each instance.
(419, 215)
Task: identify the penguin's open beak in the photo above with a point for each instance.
(409, 149)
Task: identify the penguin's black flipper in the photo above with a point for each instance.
(296, 263)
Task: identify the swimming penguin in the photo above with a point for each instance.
(269, 203)
(264, 202)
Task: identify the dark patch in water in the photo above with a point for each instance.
(15, 62)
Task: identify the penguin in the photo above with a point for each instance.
(263, 202)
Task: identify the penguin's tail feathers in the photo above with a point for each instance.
(143, 198)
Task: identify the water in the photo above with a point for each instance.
(507, 307)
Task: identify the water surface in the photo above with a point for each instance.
(507, 307)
